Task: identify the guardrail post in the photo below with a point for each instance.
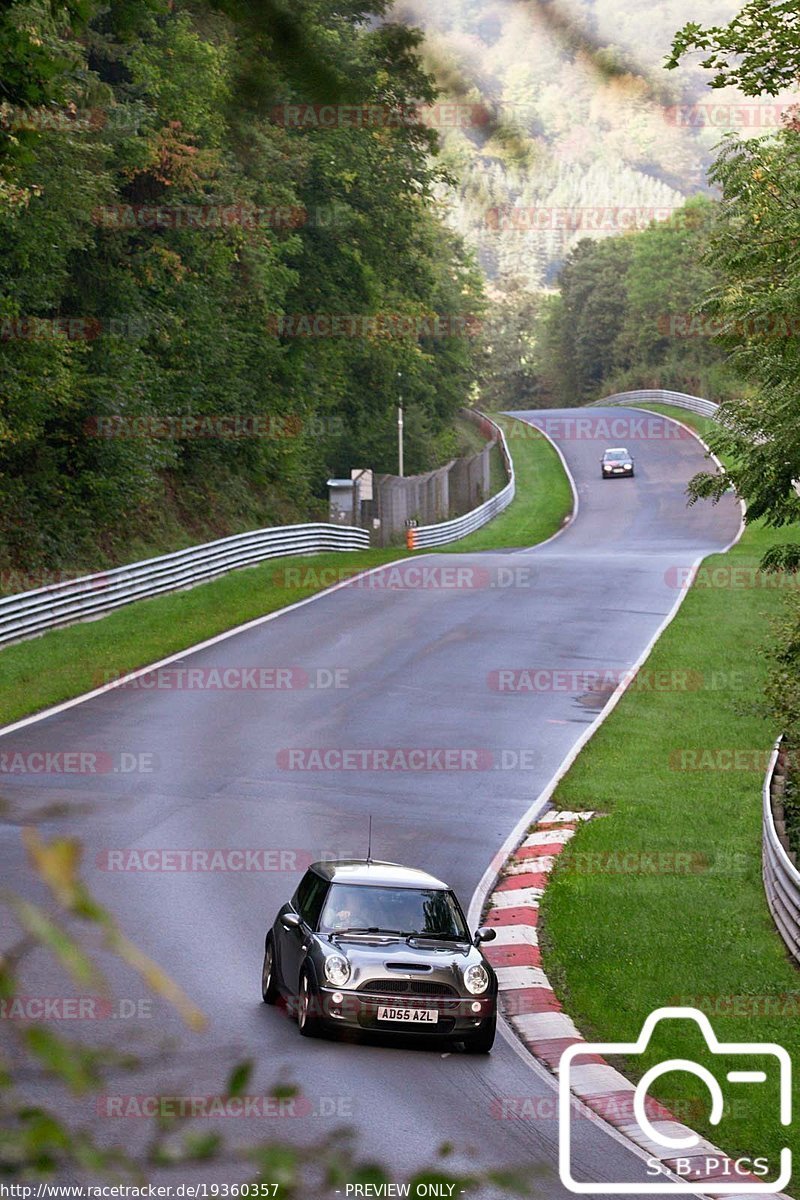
(779, 871)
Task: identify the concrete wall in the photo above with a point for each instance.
(449, 491)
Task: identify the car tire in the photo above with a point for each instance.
(308, 1019)
(269, 972)
(481, 1043)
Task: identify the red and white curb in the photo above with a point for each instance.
(531, 1006)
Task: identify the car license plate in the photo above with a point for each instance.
(409, 1016)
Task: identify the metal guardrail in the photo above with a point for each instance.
(459, 527)
(779, 871)
(696, 404)
(44, 608)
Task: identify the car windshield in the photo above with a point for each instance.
(616, 455)
(421, 911)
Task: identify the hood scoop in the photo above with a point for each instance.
(407, 966)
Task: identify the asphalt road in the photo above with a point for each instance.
(205, 770)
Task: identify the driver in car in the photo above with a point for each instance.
(354, 917)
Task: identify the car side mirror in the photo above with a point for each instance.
(485, 934)
(291, 920)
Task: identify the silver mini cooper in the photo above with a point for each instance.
(375, 946)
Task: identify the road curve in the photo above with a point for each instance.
(418, 667)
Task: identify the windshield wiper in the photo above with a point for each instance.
(440, 937)
(370, 929)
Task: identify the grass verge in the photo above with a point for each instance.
(661, 901)
(66, 662)
(543, 499)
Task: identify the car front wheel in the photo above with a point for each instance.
(482, 1042)
(308, 1016)
(269, 986)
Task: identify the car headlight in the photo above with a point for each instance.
(476, 979)
(337, 970)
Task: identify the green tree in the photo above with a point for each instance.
(758, 51)
(756, 305)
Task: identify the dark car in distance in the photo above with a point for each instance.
(616, 461)
(375, 946)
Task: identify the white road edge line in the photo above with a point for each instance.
(212, 641)
(492, 872)
(576, 504)
(220, 637)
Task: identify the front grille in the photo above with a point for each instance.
(408, 987)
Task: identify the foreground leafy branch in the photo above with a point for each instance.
(36, 1143)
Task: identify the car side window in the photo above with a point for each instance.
(309, 897)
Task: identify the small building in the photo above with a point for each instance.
(340, 501)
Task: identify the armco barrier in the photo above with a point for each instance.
(779, 871)
(695, 404)
(780, 874)
(61, 603)
(450, 531)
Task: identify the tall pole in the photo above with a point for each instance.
(400, 427)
